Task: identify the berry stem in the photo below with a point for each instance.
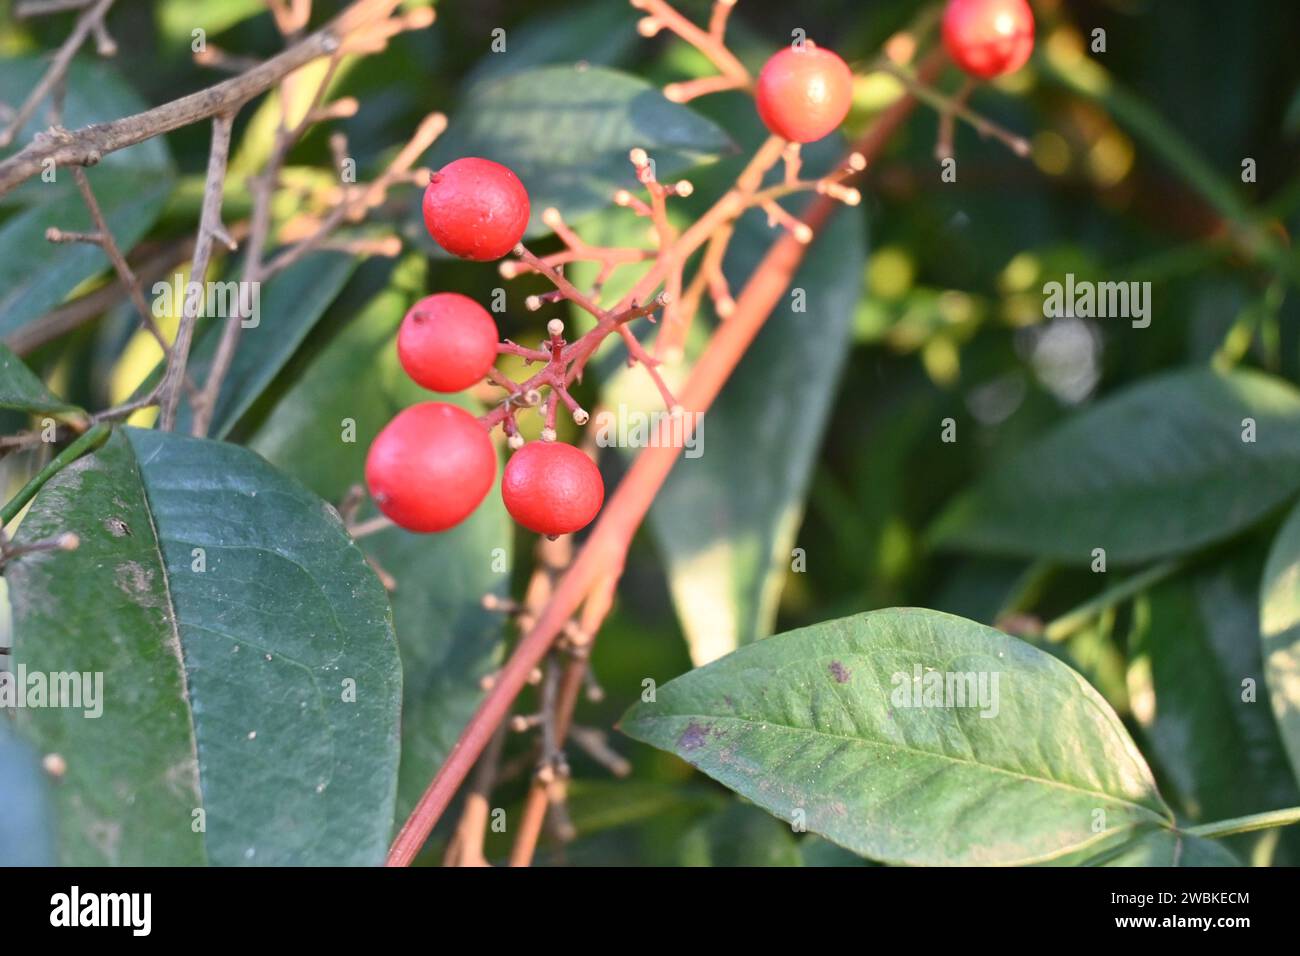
(953, 106)
(660, 15)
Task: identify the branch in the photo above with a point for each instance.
(88, 145)
(91, 21)
(120, 265)
(465, 848)
(660, 15)
(949, 107)
(169, 388)
(355, 202)
(594, 612)
(43, 8)
(63, 319)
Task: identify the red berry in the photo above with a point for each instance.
(430, 466)
(552, 488)
(476, 209)
(447, 342)
(988, 38)
(804, 93)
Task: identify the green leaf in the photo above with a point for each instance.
(131, 186)
(598, 805)
(448, 641)
(1193, 648)
(26, 836)
(566, 132)
(177, 19)
(819, 721)
(289, 305)
(1167, 848)
(741, 835)
(20, 389)
(597, 33)
(1279, 623)
(728, 553)
(1159, 469)
(231, 617)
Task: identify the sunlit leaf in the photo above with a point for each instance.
(728, 551)
(818, 725)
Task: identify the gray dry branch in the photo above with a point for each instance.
(91, 22)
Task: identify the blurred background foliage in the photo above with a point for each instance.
(1135, 174)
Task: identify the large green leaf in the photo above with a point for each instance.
(26, 836)
(1158, 469)
(728, 552)
(566, 132)
(290, 304)
(448, 642)
(1279, 623)
(131, 186)
(1194, 654)
(20, 389)
(812, 725)
(247, 653)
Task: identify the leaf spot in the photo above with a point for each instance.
(693, 737)
(117, 527)
(136, 581)
(841, 673)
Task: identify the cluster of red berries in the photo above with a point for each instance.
(434, 463)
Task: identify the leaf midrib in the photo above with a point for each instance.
(924, 753)
(174, 623)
